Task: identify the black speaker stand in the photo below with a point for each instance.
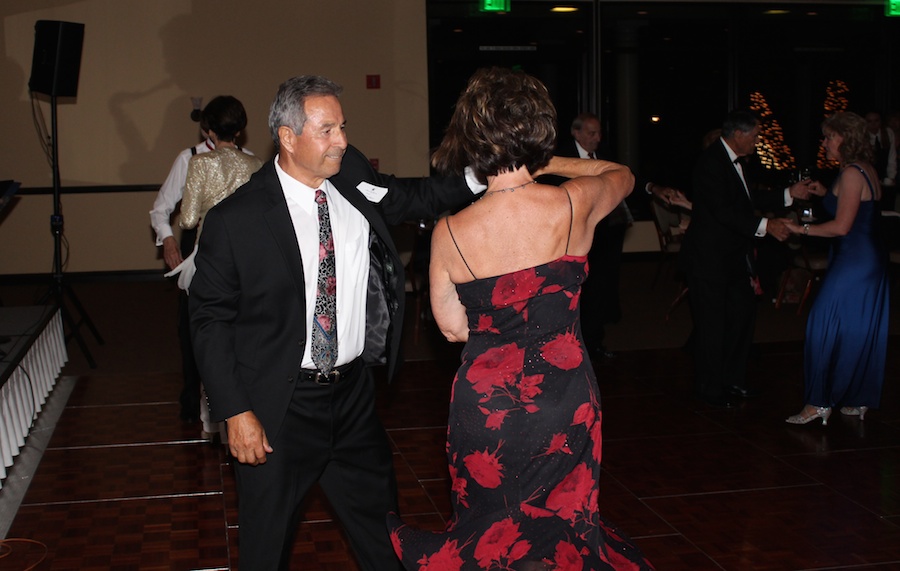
(59, 290)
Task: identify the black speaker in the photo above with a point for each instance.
(57, 58)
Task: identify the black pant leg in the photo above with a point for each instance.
(724, 318)
(359, 479)
(190, 386)
(332, 435)
(740, 326)
(600, 303)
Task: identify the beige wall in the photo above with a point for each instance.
(141, 63)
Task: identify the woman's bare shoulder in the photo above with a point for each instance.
(853, 175)
(857, 180)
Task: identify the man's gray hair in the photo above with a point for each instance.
(581, 118)
(739, 120)
(288, 108)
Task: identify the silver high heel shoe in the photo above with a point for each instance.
(822, 412)
(859, 411)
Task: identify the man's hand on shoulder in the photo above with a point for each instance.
(247, 439)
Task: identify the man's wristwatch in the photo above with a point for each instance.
(806, 229)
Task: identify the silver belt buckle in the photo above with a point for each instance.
(326, 379)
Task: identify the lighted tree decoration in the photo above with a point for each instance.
(772, 150)
(835, 100)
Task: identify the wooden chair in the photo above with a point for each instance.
(412, 239)
(669, 231)
(682, 295)
(812, 264)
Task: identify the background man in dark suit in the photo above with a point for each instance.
(717, 256)
(885, 147)
(254, 310)
(600, 293)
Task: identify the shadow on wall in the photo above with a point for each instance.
(178, 86)
(196, 48)
(17, 118)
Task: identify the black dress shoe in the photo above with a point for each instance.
(743, 392)
(720, 402)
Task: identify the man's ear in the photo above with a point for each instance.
(286, 137)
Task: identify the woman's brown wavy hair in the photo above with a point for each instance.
(852, 127)
(503, 120)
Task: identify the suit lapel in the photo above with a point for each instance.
(280, 224)
(278, 219)
(737, 183)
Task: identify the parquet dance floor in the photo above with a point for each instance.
(124, 484)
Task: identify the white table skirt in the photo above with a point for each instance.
(25, 392)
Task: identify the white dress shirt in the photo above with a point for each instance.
(171, 191)
(890, 174)
(350, 230)
(581, 152)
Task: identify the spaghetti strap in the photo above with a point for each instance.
(862, 171)
(571, 219)
(463, 258)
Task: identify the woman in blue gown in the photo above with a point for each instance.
(846, 335)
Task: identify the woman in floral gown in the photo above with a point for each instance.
(524, 437)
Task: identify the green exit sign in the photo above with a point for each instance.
(892, 7)
(503, 5)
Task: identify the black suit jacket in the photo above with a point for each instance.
(568, 149)
(719, 240)
(247, 298)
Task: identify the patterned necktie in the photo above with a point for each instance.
(324, 334)
(591, 155)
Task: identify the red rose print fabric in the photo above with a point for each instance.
(524, 440)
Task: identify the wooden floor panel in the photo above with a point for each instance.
(803, 527)
(116, 472)
(696, 464)
(105, 426)
(424, 450)
(163, 533)
(628, 512)
(129, 388)
(124, 484)
(860, 475)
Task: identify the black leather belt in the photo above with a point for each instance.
(335, 376)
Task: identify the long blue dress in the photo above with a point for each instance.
(847, 331)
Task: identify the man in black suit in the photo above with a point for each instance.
(600, 302)
(885, 159)
(717, 257)
(255, 312)
(600, 293)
